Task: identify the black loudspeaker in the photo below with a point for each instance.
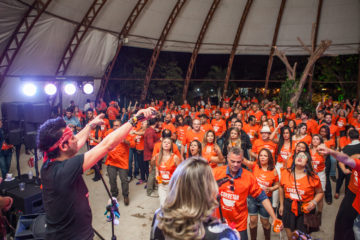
(28, 201)
(12, 111)
(31, 227)
(36, 112)
(15, 137)
(30, 140)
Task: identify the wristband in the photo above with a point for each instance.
(133, 121)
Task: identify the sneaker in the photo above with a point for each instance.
(126, 201)
(129, 179)
(140, 182)
(95, 179)
(145, 187)
(153, 194)
(91, 171)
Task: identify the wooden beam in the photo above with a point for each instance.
(20, 34)
(313, 45)
(199, 41)
(160, 43)
(123, 34)
(78, 35)
(273, 44)
(235, 44)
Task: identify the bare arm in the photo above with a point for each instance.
(281, 199)
(110, 142)
(83, 135)
(341, 157)
(268, 207)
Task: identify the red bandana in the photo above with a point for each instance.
(67, 134)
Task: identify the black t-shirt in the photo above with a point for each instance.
(66, 203)
(214, 230)
(351, 149)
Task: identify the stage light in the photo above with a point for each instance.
(29, 89)
(70, 88)
(50, 89)
(88, 88)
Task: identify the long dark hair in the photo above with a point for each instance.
(327, 129)
(308, 167)
(199, 146)
(281, 139)
(271, 164)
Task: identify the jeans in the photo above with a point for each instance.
(151, 181)
(255, 208)
(328, 194)
(132, 159)
(139, 156)
(243, 235)
(220, 142)
(5, 161)
(356, 228)
(333, 166)
(112, 172)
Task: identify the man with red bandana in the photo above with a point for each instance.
(235, 185)
(65, 195)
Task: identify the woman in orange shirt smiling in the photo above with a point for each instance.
(301, 135)
(211, 151)
(268, 179)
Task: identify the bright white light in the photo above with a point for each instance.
(29, 89)
(50, 89)
(70, 89)
(198, 89)
(88, 88)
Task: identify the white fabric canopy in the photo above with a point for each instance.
(43, 48)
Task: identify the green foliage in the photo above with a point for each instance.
(287, 90)
(340, 69)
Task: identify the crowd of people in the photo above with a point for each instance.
(266, 160)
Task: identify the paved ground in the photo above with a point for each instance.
(135, 220)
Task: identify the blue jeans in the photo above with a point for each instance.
(139, 156)
(356, 228)
(333, 166)
(220, 142)
(5, 161)
(132, 159)
(255, 208)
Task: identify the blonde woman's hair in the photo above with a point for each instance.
(161, 152)
(238, 140)
(191, 200)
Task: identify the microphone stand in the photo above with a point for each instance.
(111, 208)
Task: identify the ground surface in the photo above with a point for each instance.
(135, 220)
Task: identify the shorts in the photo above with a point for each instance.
(255, 208)
(322, 177)
(290, 220)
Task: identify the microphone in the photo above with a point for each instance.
(141, 117)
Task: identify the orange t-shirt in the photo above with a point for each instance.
(93, 135)
(234, 203)
(139, 142)
(354, 182)
(169, 126)
(166, 168)
(219, 126)
(181, 131)
(307, 139)
(119, 156)
(208, 152)
(226, 112)
(251, 131)
(265, 179)
(112, 113)
(284, 154)
(290, 116)
(157, 147)
(329, 143)
(206, 127)
(333, 130)
(260, 144)
(356, 203)
(341, 123)
(318, 161)
(344, 141)
(191, 135)
(306, 186)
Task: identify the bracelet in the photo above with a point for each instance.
(133, 121)
(314, 202)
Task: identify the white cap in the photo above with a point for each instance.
(265, 129)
